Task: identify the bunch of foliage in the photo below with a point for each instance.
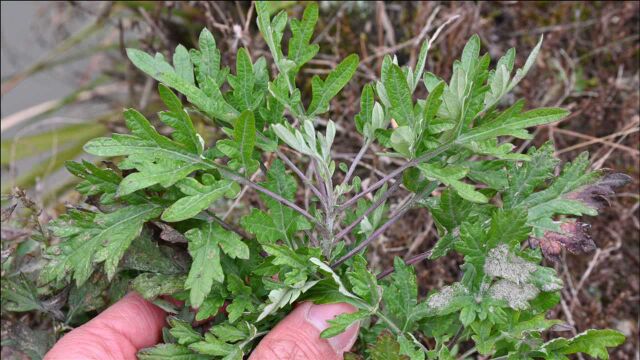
(153, 219)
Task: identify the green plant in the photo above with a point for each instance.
(502, 210)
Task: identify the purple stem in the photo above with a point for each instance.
(410, 261)
(396, 172)
(372, 208)
(355, 162)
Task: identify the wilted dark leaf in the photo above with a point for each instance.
(54, 304)
(170, 234)
(597, 195)
(87, 297)
(30, 342)
(575, 238)
(144, 254)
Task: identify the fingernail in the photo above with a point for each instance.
(317, 315)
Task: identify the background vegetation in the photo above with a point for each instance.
(589, 64)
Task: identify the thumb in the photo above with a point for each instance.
(117, 333)
(297, 336)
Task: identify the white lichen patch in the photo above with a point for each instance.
(516, 295)
(502, 263)
(442, 299)
(554, 285)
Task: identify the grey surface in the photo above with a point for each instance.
(23, 46)
(29, 32)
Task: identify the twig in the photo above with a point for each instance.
(397, 172)
(355, 162)
(411, 261)
(302, 176)
(406, 207)
(420, 238)
(331, 23)
(230, 227)
(597, 140)
(247, 22)
(244, 181)
(598, 164)
(552, 28)
(371, 209)
(467, 353)
(238, 199)
(244, 190)
(410, 42)
(385, 23)
(598, 258)
(154, 26)
(569, 316)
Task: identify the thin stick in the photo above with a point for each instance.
(420, 238)
(603, 141)
(404, 208)
(596, 140)
(395, 173)
(468, 353)
(301, 175)
(373, 236)
(267, 192)
(355, 162)
(230, 227)
(597, 259)
(244, 191)
(411, 261)
(410, 42)
(372, 208)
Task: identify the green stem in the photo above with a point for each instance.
(398, 331)
(395, 328)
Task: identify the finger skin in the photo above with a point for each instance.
(297, 336)
(116, 334)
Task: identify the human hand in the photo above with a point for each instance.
(134, 323)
